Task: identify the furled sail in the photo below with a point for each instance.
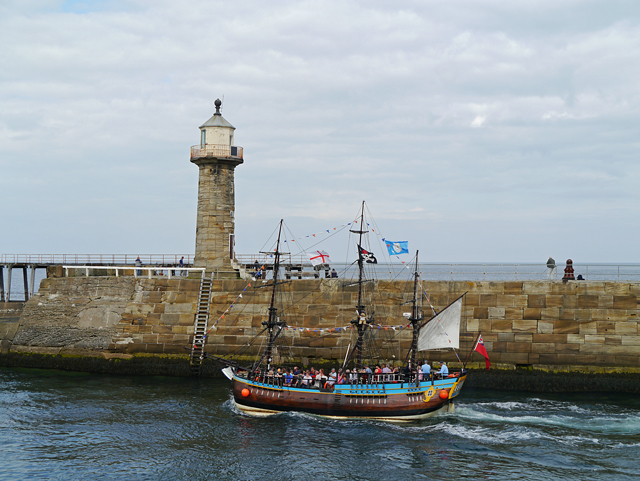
(443, 330)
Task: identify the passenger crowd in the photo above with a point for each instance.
(312, 378)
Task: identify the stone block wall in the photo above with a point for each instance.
(158, 318)
(522, 323)
(551, 323)
(10, 313)
(72, 314)
(539, 323)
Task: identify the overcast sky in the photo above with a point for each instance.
(478, 130)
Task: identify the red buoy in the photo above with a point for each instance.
(444, 394)
(245, 392)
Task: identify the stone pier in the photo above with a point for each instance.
(534, 326)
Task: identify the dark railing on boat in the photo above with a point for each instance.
(278, 380)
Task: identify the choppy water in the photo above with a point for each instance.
(57, 425)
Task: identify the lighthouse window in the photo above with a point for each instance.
(203, 138)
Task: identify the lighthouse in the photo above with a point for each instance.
(216, 158)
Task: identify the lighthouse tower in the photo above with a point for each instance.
(216, 158)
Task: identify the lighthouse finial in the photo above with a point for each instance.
(218, 104)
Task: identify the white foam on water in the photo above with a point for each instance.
(574, 440)
(600, 423)
(484, 434)
(624, 446)
(509, 406)
(537, 404)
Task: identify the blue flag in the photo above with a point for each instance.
(395, 248)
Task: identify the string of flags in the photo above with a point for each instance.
(429, 301)
(345, 328)
(308, 329)
(324, 232)
(235, 301)
(395, 248)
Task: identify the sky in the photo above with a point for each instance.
(476, 130)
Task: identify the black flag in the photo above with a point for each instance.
(367, 256)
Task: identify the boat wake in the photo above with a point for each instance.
(573, 417)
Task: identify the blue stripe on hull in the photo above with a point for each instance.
(345, 389)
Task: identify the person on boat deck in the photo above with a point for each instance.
(296, 371)
(342, 377)
(288, 378)
(425, 370)
(320, 377)
(307, 379)
(334, 274)
(368, 373)
(385, 371)
(444, 370)
(332, 378)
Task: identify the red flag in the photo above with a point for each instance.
(483, 350)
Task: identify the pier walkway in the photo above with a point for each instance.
(294, 267)
(29, 264)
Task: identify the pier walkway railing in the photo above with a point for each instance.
(295, 267)
(153, 264)
(136, 271)
(465, 271)
(98, 259)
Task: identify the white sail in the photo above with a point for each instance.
(442, 331)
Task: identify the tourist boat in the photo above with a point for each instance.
(261, 389)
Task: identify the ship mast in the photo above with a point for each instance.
(416, 317)
(361, 320)
(272, 320)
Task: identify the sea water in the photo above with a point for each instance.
(60, 425)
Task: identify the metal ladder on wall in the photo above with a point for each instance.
(201, 322)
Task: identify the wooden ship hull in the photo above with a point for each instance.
(395, 401)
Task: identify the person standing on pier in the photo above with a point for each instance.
(139, 264)
(551, 268)
(181, 265)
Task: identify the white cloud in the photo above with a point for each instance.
(334, 102)
(478, 121)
